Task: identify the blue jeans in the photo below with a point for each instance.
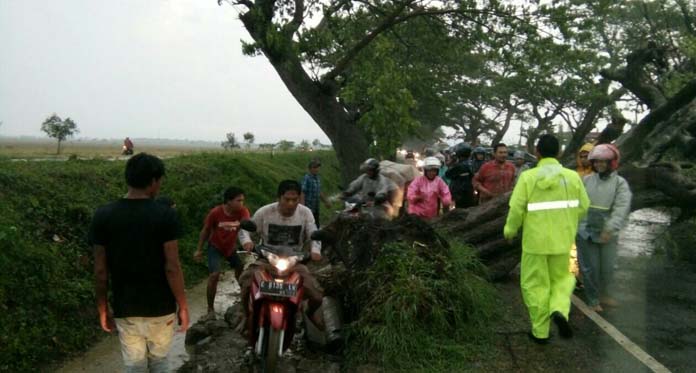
(145, 342)
(597, 264)
(215, 260)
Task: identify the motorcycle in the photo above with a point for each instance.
(276, 296)
(126, 151)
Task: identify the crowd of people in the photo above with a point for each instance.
(556, 208)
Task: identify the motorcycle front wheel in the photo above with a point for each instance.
(272, 345)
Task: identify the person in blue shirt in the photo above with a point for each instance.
(311, 189)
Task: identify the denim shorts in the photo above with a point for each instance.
(215, 259)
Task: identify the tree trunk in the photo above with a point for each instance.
(590, 119)
(58, 151)
(320, 101)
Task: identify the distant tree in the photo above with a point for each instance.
(285, 145)
(249, 139)
(316, 143)
(59, 129)
(266, 146)
(231, 142)
(304, 146)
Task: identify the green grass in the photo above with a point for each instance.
(47, 303)
(424, 317)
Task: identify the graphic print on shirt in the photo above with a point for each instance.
(285, 235)
(230, 226)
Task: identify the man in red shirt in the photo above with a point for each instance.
(220, 229)
(495, 177)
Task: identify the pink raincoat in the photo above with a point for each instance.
(430, 191)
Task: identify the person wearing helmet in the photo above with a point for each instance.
(371, 186)
(479, 159)
(427, 190)
(584, 167)
(520, 163)
(547, 203)
(610, 204)
(443, 167)
(461, 174)
(495, 177)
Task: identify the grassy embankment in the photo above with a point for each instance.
(46, 292)
(428, 318)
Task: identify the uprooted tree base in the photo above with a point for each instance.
(355, 242)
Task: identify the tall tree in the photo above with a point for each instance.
(368, 72)
(59, 129)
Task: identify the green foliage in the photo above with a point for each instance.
(59, 129)
(47, 307)
(429, 313)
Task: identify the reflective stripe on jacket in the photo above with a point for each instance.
(610, 204)
(548, 202)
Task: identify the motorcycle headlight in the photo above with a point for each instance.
(282, 264)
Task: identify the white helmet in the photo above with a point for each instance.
(431, 163)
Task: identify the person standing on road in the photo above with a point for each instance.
(461, 174)
(495, 177)
(584, 167)
(136, 252)
(610, 204)
(311, 189)
(520, 164)
(547, 203)
(220, 230)
(426, 192)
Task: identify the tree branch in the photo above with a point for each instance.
(297, 18)
(343, 63)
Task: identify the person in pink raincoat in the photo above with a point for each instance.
(427, 192)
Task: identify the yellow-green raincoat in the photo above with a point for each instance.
(547, 203)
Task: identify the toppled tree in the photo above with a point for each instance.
(407, 294)
(59, 129)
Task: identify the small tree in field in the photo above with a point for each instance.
(285, 145)
(231, 142)
(304, 146)
(59, 129)
(316, 143)
(249, 139)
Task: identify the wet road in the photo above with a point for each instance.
(105, 356)
(657, 298)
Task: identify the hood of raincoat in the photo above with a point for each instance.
(580, 168)
(549, 174)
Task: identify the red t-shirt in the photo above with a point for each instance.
(224, 228)
(495, 177)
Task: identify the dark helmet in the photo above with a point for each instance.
(429, 152)
(370, 164)
(462, 150)
(479, 150)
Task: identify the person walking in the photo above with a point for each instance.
(610, 204)
(220, 230)
(311, 189)
(428, 191)
(136, 252)
(547, 202)
(461, 174)
(495, 177)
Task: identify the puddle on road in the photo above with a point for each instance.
(105, 356)
(644, 226)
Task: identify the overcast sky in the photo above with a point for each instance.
(139, 68)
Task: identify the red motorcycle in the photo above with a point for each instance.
(276, 296)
